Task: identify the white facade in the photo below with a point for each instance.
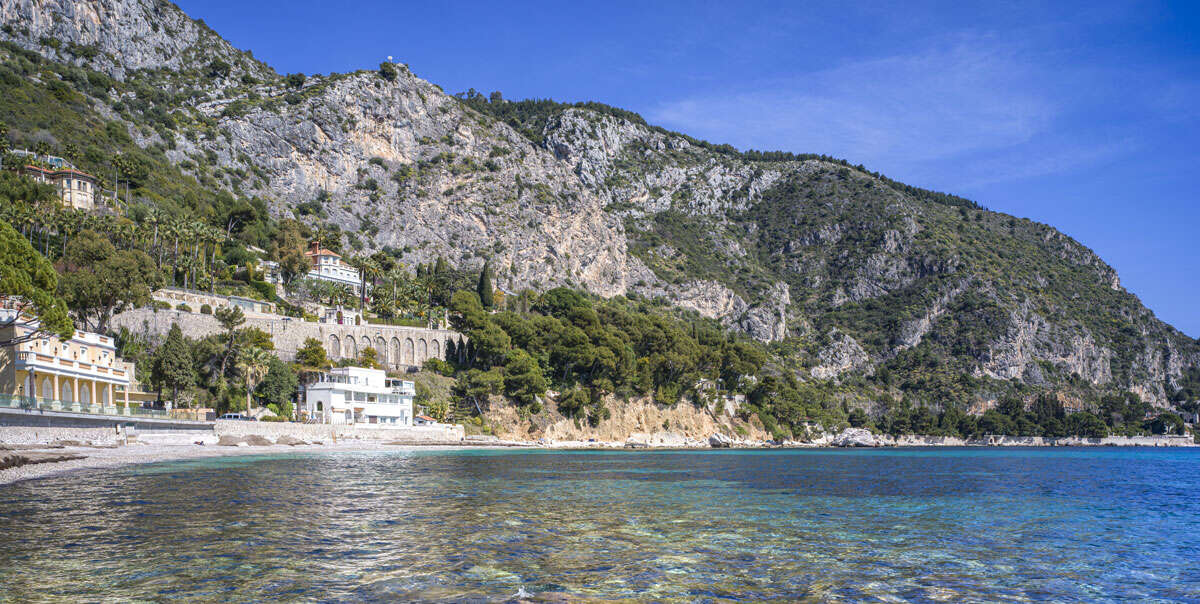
(328, 266)
(357, 395)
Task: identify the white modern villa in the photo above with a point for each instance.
(357, 395)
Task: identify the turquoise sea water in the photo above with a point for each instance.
(823, 525)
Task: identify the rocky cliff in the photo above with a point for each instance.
(853, 274)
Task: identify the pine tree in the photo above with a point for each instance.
(485, 289)
(173, 363)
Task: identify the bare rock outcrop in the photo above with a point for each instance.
(842, 355)
(855, 437)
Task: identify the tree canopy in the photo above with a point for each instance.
(98, 280)
(30, 283)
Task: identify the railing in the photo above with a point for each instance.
(44, 404)
(30, 356)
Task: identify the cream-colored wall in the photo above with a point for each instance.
(101, 354)
(81, 194)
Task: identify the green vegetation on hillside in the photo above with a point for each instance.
(531, 117)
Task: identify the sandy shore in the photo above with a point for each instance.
(102, 457)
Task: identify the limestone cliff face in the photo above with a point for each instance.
(781, 249)
(121, 36)
(842, 355)
(408, 167)
(628, 162)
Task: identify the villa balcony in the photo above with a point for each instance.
(44, 363)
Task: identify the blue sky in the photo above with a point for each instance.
(1085, 116)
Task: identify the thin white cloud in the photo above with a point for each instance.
(1045, 161)
(900, 114)
(920, 107)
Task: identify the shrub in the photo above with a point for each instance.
(183, 307)
(272, 418)
(205, 309)
(439, 366)
(264, 289)
(388, 71)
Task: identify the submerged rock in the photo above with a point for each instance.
(15, 460)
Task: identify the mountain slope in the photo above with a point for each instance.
(862, 282)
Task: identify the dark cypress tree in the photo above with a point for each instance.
(441, 267)
(486, 290)
(173, 363)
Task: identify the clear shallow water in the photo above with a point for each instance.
(915, 525)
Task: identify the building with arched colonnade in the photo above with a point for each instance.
(82, 373)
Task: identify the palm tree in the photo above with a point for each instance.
(370, 271)
(155, 219)
(175, 229)
(253, 363)
(68, 222)
(196, 232)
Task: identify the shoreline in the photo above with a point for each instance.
(96, 457)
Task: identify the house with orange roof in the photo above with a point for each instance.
(328, 265)
(76, 189)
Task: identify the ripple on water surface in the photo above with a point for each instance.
(945, 524)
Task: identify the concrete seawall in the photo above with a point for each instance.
(36, 418)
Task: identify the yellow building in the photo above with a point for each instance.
(76, 189)
(82, 374)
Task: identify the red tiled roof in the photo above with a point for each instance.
(75, 172)
(426, 418)
(62, 172)
(323, 252)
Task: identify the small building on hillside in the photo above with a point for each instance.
(328, 266)
(81, 374)
(76, 189)
(357, 395)
(340, 315)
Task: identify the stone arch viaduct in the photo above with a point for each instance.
(397, 347)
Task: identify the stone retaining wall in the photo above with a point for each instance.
(328, 432)
(398, 347)
(40, 418)
(20, 435)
